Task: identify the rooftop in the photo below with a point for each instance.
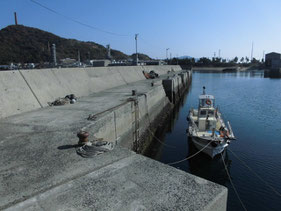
(211, 97)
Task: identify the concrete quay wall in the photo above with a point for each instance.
(26, 90)
(133, 122)
(175, 85)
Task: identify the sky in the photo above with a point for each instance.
(197, 28)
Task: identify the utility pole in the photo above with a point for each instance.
(78, 58)
(263, 59)
(167, 54)
(136, 38)
(252, 51)
(54, 55)
(108, 51)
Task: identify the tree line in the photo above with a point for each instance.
(215, 62)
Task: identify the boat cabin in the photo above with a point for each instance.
(206, 113)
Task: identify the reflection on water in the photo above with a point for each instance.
(247, 74)
(156, 146)
(252, 73)
(272, 74)
(210, 169)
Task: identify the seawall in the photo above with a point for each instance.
(40, 168)
(35, 88)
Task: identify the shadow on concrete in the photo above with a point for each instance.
(68, 146)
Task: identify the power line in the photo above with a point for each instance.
(78, 22)
(87, 25)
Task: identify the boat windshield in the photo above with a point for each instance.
(210, 112)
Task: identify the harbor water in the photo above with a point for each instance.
(252, 104)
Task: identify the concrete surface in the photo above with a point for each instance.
(11, 82)
(46, 85)
(119, 186)
(40, 169)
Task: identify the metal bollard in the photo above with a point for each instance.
(83, 137)
(134, 92)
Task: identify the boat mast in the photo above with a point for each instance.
(204, 90)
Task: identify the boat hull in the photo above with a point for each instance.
(210, 150)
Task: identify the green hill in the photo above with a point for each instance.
(140, 56)
(24, 44)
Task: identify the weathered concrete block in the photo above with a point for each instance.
(15, 95)
(168, 85)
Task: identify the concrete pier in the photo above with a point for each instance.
(40, 169)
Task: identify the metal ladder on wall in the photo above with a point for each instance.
(135, 124)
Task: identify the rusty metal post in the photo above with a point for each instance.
(134, 92)
(83, 137)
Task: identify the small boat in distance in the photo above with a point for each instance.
(207, 129)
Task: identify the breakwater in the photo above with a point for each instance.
(118, 104)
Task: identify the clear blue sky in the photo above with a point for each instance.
(188, 27)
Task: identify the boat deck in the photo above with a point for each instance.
(194, 118)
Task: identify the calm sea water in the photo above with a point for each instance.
(252, 104)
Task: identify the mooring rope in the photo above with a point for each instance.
(161, 142)
(241, 202)
(259, 177)
(191, 156)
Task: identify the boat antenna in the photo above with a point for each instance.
(204, 90)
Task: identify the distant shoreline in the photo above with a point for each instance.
(219, 69)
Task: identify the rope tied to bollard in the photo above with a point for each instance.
(88, 149)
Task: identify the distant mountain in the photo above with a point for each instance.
(185, 57)
(140, 56)
(24, 44)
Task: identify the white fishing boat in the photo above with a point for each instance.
(207, 129)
